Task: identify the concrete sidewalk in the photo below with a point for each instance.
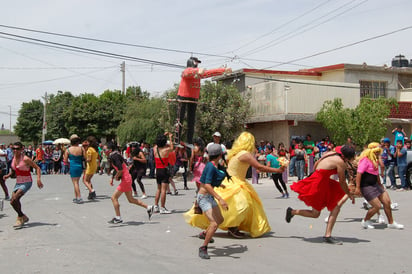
(63, 237)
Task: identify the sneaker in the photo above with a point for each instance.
(150, 210)
(203, 252)
(327, 219)
(286, 195)
(395, 225)
(144, 196)
(283, 195)
(186, 188)
(156, 209)
(367, 224)
(115, 221)
(331, 240)
(94, 196)
(79, 200)
(394, 205)
(135, 194)
(365, 205)
(381, 219)
(289, 215)
(164, 210)
(25, 219)
(176, 192)
(235, 233)
(7, 198)
(19, 222)
(202, 236)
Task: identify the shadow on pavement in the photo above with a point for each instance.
(319, 240)
(350, 220)
(126, 224)
(35, 224)
(227, 251)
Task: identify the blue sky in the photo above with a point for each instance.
(243, 34)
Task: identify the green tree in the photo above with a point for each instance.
(29, 122)
(365, 123)
(142, 120)
(221, 107)
(57, 110)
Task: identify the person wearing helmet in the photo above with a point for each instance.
(189, 90)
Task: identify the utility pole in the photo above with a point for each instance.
(123, 70)
(44, 128)
(10, 117)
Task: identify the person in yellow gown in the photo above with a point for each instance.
(245, 211)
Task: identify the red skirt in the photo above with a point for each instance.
(319, 191)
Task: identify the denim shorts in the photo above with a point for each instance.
(23, 186)
(206, 202)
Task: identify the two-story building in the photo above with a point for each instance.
(285, 103)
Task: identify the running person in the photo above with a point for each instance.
(21, 166)
(319, 191)
(117, 162)
(211, 178)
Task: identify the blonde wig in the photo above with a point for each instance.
(371, 153)
(245, 141)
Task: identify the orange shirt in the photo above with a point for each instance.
(190, 84)
(39, 154)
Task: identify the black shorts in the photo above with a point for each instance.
(162, 175)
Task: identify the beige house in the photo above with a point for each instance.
(285, 103)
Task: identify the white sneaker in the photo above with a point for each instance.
(327, 219)
(381, 219)
(395, 225)
(367, 224)
(155, 209)
(394, 205)
(163, 210)
(143, 196)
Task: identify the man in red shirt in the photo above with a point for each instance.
(189, 91)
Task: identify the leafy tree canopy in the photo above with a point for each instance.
(366, 123)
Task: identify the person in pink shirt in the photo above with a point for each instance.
(369, 184)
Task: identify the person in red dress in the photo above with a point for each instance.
(319, 190)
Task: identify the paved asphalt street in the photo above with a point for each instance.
(63, 237)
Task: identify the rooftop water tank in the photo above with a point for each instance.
(400, 61)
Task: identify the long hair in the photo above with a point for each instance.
(370, 153)
(245, 141)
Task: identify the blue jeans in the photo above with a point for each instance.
(292, 166)
(390, 172)
(402, 175)
(300, 168)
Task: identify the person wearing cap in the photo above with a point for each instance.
(217, 140)
(75, 155)
(206, 197)
(189, 90)
(388, 157)
(319, 190)
(245, 211)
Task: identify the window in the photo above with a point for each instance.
(373, 89)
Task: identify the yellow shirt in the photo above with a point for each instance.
(92, 165)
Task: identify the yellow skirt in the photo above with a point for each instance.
(245, 209)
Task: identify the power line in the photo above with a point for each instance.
(111, 42)
(344, 46)
(94, 52)
(283, 25)
(306, 28)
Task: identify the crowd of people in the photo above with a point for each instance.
(327, 176)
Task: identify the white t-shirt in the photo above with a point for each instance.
(224, 150)
(3, 155)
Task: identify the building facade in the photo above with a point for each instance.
(284, 103)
